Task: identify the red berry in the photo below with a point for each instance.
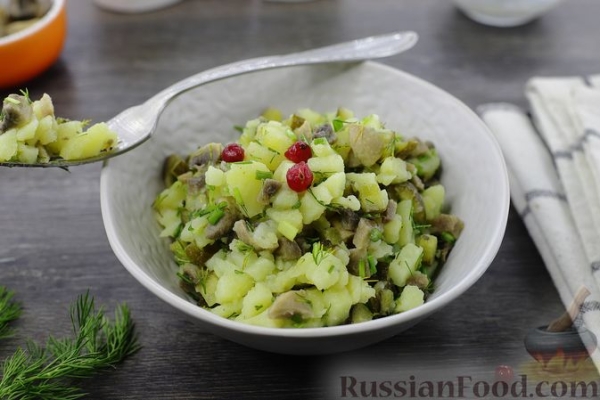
(233, 152)
(299, 151)
(299, 177)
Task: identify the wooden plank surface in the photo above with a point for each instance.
(53, 244)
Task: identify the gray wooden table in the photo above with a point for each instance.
(53, 245)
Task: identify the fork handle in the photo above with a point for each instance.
(356, 50)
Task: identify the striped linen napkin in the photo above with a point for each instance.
(553, 159)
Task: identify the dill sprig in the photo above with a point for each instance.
(50, 371)
(9, 311)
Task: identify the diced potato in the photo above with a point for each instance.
(393, 170)
(292, 217)
(198, 226)
(405, 263)
(220, 264)
(433, 198)
(310, 208)
(27, 131)
(335, 184)
(350, 202)
(96, 139)
(230, 310)
(410, 298)
(265, 235)
(172, 197)
(429, 245)
(371, 197)
(8, 145)
(339, 304)
(249, 131)
(406, 231)
(288, 230)
(391, 229)
(326, 272)
(233, 286)
(207, 288)
(359, 289)
(243, 185)
(313, 117)
(263, 155)
(43, 107)
(285, 199)
(274, 135)
(281, 172)
(272, 114)
(321, 148)
(47, 130)
(263, 320)
(65, 132)
(323, 167)
(257, 300)
(260, 269)
(27, 154)
(169, 218)
(322, 194)
(214, 176)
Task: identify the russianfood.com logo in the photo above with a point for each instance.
(559, 367)
(465, 387)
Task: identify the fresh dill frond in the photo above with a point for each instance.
(25, 93)
(9, 311)
(51, 371)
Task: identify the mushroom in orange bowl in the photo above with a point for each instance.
(28, 52)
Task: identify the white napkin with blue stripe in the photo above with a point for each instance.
(553, 159)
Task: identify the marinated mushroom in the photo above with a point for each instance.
(288, 249)
(367, 143)
(390, 211)
(225, 223)
(240, 227)
(290, 304)
(16, 111)
(349, 219)
(20, 14)
(268, 190)
(447, 223)
(208, 154)
(325, 131)
(362, 236)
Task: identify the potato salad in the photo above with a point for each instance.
(30, 133)
(311, 220)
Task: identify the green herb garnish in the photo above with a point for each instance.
(375, 235)
(337, 124)
(12, 101)
(51, 371)
(260, 175)
(9, 311)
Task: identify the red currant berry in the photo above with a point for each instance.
(299, 177)
(299, 151)
(233, 152)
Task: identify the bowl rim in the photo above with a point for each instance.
(51, 14)
(388, 322)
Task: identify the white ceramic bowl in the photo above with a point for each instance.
(505, 13)
(474, 175)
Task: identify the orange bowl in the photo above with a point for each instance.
(28, 53)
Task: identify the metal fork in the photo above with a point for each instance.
(136, 124)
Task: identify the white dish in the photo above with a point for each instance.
(474, 175)
(505, 13)
(134, 6)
